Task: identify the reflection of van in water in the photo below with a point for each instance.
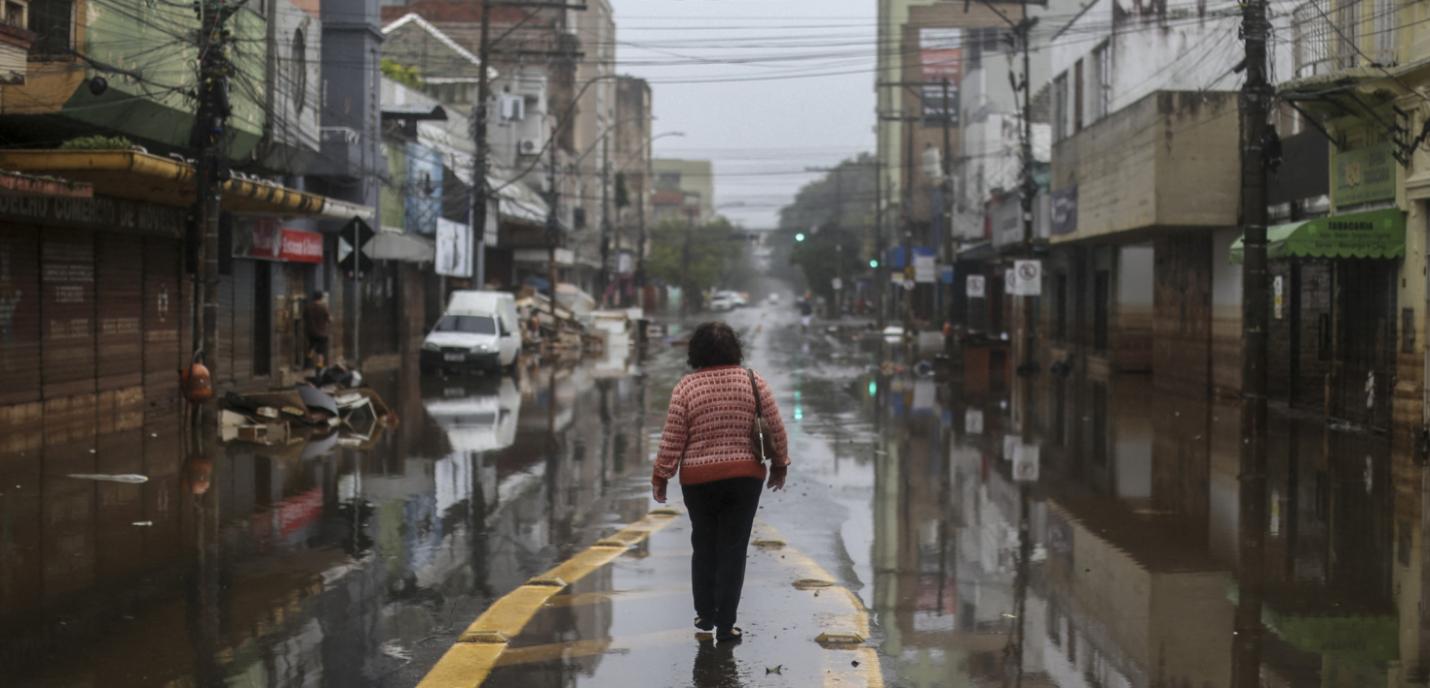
(479, 329)
(479, 419)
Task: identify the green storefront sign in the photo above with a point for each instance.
(1363, 174)
(1373, 234)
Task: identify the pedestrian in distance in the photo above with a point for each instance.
(806, 311)
(316, 322)
(721, 428)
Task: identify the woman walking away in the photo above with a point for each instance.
(721, 427)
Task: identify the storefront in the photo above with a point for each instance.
(275, 270)
(90, 296)
(1334, 283)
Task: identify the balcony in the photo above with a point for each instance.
(1337, 38)
(1168, 161)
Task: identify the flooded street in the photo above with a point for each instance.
(1066, 532)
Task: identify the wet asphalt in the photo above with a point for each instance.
(1108, 556)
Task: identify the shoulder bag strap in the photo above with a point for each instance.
(759, 403)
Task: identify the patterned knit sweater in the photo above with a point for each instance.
(712, 411)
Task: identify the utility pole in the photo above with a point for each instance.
(603, 276)
(1028, 189)
(1255, 104)
(206, 138)
(881, 278)
(480, 161)
(838, 240)
(685, 287)
(908, 213)
(553, 223)
(947, 186)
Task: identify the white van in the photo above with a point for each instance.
(479, 329)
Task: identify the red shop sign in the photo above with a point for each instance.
(301, 246)
(265, 239)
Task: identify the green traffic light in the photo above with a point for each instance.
(874, 263)
(799, 237)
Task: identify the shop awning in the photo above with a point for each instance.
(1373, 234)
(140, 176)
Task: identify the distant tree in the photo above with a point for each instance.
(714, 250)
(836, 215)
(406, 75)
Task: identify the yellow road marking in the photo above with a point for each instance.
(844, 634)
(470, 660)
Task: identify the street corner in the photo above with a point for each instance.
(631, 619)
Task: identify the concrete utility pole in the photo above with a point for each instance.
(553, 223)
(1028, 189)
(603, 277)
(908, 212)
(685, 260)
(946, 185)
(206, 138)
(881, 275)
(480, 159)
(1255, 105)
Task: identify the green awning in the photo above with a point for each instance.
(1373, 234)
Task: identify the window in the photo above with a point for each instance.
(15, 14)
(1060, 107)
(300, 71)
(52, 21)
(1101, 82)
(1385, 21)
(471, 324)
(1348, 25)
(1079, 97)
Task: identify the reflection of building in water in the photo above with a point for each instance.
(294, 567)
(1141, 540)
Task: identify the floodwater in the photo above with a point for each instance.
(1064, 532)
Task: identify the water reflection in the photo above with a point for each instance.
(248, 565)
(1079, 532)
(715, 667)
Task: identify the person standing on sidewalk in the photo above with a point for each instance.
(316, 320)
(707, 441)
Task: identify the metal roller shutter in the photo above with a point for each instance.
(120, 266)
(241, 320)
(19, 315)
(67, 278)
(163, 317)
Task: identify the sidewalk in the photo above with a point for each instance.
(619, 614)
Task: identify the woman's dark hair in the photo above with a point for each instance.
(714, 344)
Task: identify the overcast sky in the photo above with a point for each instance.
(814, 107)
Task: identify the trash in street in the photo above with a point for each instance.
(126, 478)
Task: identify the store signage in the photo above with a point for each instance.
(1064, 211)
(100, 213)
(1363, 174)
(265, 239)
(454, 249)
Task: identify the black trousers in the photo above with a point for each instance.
(721, 515)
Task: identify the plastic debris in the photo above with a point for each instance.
(126, 478)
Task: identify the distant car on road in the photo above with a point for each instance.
(773, 299)
(722, 301)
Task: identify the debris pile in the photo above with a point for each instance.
(329, 410)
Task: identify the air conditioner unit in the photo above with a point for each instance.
(529, 147)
